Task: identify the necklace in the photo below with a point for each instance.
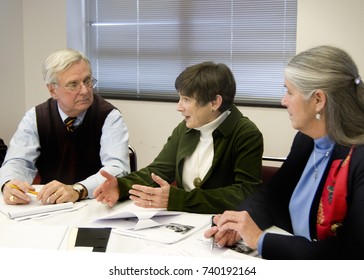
(315, 172)
(198, 181)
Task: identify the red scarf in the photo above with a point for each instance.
(333, 207)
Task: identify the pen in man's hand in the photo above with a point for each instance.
(212, 237)
(29, 191)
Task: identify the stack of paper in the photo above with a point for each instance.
(33, 209)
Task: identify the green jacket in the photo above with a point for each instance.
(235, 172)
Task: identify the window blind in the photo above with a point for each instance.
(138, 47)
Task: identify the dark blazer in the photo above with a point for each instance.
(270, 207)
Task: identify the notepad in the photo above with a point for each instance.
(33, 208)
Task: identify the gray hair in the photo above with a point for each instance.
(334, 72)
(60, 61)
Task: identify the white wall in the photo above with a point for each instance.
(40, 28)
(11, 67)
(44, 32)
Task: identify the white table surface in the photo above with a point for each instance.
(17, 233)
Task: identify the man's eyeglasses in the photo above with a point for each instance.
(76, 86)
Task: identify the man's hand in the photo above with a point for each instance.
(15, 192)
(57, 192)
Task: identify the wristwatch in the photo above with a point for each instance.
(81, 191)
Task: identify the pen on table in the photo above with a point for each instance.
(212, 237)
(29, 191)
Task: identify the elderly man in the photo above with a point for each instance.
(67, 139)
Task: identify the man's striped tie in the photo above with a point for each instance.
(69, 123)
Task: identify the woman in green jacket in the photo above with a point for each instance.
(210, 163)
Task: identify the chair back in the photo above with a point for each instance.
(132, 158)
(270, 167)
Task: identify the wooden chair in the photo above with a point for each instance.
(268, 170)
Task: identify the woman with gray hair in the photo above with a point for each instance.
(318, 193)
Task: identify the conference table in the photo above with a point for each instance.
(44, 247)
(53, 232)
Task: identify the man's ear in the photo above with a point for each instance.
(52, 91)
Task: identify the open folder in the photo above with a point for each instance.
(135, 217)
(92, 238)
(155, 224)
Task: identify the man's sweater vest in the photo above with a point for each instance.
(70, 157)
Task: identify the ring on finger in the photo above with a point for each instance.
(11, 198)
(55, 195)
(150, 202)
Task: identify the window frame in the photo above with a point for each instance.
(77, 37)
